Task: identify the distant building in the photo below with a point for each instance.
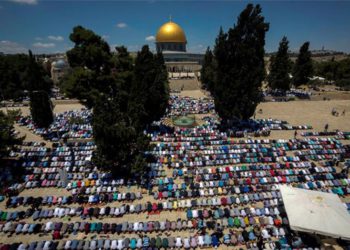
(59, 68)
(171, 37)
(171, 41)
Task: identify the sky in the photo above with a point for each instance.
(44, 25)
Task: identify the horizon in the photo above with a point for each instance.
(44, 26)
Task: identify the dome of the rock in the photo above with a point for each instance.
(170, 32)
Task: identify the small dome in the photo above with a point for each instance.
(59, 64)
(170, 32)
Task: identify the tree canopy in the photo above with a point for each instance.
(8, 138)
(337, 71)
(41, 108)
(35, 77)
(40, 103)
(280, 67)
(119, 145)
(125, 97)
(208, 70)
(149, 90)
(20, 73)
(90, 51)
(91, 62)
(303, 68)
(239, 56)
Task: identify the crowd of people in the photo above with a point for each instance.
(171, 242)
(340, 135)
(72, 124)
(302, 94)
(224, 189)
(179, 105)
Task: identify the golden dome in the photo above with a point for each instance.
(170, 32)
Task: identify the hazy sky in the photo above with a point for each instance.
(44, 26)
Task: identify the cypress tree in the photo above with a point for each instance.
(41, 108)
(123, 75)
(160, 89)
(150, 91)
(220, 57)
(280, 67)
(40, 103)
(144, 72)
(119, 144)
(35, 76)
(207, 70)
(239, 55)
(303, 68)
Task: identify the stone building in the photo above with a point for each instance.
(171, 41)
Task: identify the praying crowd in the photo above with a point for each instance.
(72, 124)
(204, 188)
(188, 105)
(302, 94)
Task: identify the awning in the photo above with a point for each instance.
(316, 212)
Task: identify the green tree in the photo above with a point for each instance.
(343, 70)
(89, 51)
(327, 69)
(344, 83)
(280, 67)
(221, 67)
(41, 108)
(150, 91)
(119, 144)
(39, 89)
(123, 73)
(143, 78)
(239, 55)
(123, 62)
(159, 92)
(303, 68)
(337, 71)
(82, 84)
(11, 86)
(35, 76)
(8, 138)
(91, 63)
(208, 70)
(125, 98)
(16, 76)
